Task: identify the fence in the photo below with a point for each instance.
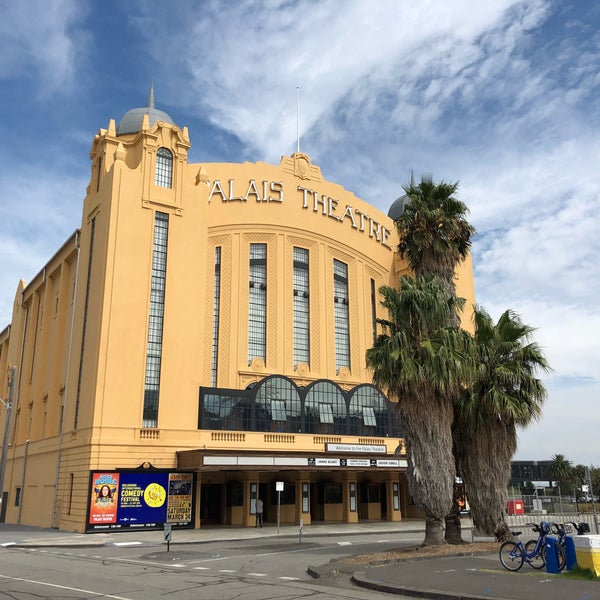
(524, 510)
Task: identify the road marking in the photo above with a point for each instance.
(344, 543)
(226, 570)
(290, 578)
(257, 574)
(179, 566)
(202, 568)
(126, 543)
(8, 544)
(64, 587)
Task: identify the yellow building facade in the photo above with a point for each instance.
(199, 343)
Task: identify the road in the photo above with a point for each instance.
(255, 570)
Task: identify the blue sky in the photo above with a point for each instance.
(501, 96)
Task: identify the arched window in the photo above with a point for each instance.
(325, 409)
(164, 168)
(371, 413)
(278, 406)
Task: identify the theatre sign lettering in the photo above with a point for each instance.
(274, 191)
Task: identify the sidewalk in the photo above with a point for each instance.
(479, 577)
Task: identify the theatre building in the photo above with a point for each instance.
(199, 343)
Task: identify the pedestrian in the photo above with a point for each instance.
(259, 513)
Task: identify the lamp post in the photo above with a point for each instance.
(8, 404)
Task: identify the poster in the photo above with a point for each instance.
(140, 499)
(104, 496)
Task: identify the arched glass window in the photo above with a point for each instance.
(325, 409)
(164, 168)
(278, 406)
(368, 411)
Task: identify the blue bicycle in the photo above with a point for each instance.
(514, 554)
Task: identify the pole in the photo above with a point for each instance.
(591, 492)
(298, 116)
(278, 508)
(9, 405)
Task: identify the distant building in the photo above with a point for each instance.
(199, 343)
(523, 471)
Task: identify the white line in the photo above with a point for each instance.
(290, 578)
(344, 543)
(202, 568)
(179, 566)
(226, 570)
(127, 543)
(257, 574)
(8, 544)
(64, 587)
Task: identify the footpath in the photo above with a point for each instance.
(452, 577)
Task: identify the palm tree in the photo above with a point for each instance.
(505, 394)
(435, 237)
(417, 362)
(561, 471)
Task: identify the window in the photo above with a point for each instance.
(216, 312)
(164, 168)
(374, 310)
(18, 496)
(341, 315)
(325, 409)
(156, 318)
(278, 410)
(301, 307)
(257, 310)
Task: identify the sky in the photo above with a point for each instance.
(501, 96)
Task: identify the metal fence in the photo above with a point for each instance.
(524, 510)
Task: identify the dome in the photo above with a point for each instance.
(132, 121)
(397, 207)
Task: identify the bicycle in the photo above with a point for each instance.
(514, 554)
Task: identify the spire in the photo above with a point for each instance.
(151, 96)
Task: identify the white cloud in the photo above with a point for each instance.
(37, 40)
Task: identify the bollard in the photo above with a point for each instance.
(551, 556)
(570, 553)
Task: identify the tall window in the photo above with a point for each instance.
(301, 307)
(155, 324)
(216, 310)
(164, 168)
(341, 315)
(85, 318)
(257, 317)
(374, 310)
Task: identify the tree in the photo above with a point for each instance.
(416, 360)
(561, 470)
(435, 236)
(504, 394)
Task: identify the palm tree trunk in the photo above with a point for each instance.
(434, 531)
(453, 526)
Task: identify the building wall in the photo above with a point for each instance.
(80, 328)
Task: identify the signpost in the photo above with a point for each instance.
(279, 488)
(168, 529)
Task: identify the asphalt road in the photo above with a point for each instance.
(257, 569)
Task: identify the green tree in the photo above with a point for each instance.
(561, 470)
(435, 236)
(417, 362)
(504, 394)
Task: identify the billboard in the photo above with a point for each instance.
(139, 499)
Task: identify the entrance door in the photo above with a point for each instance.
(212, 500)
(317, 501)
